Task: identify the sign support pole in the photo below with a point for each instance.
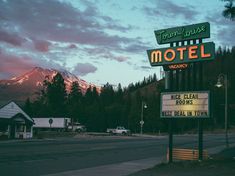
(170, 141)
(168, 85)
(200, 139)
(170, 88)
(200, 122)
(199, 72)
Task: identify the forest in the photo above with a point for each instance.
(118, 106)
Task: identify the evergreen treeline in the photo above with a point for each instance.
(122, 106)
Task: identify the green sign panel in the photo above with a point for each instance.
(182, 54)
(195, 31)
(193, 104)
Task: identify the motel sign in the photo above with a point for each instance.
(185, 53)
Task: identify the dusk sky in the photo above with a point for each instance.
(101, 40)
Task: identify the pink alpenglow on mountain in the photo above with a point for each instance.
(27, 85)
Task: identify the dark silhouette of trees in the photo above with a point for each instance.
(117, 106)
(28, 107)
(74, 102)
(56, 95)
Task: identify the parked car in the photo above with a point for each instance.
(76, 127)
(119, 130)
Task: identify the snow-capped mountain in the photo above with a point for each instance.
(28, 84)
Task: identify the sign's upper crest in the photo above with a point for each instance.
(182, 33)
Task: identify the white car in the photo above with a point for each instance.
(119, 130)
(76, 127)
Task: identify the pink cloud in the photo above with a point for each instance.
(12, 65)
(73, 25)
(42, 45)
(12, 39)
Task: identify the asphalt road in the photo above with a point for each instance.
(48, 156)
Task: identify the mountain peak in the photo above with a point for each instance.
(27, 84)
(37, 69)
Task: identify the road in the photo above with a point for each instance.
(48, 156)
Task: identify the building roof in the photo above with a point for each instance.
(10, 110)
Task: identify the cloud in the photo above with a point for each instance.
(114, 25)
(59, 21)
(146, 67)
(137, 48)
(105, 53)
(83, 69)
(121, 58)
(170, 9)
(41, 45)
(72, 46)
(11, 38)
(17, 64)
(14, 65)
(226, 38)
(222, 28)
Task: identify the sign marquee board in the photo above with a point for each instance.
(183, 33)
(193, 104)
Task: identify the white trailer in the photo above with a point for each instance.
(59, 123)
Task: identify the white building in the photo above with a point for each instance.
(14, 122)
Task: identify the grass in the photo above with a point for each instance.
(53, 134)
(222, 164)
(215, 167)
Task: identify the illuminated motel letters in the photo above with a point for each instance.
(181, 54)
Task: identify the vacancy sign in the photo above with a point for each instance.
(193, 104)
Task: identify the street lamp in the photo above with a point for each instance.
(223, 80)
(143, 106)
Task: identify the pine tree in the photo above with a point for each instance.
(74, 104)
(28, 107)
(56, 95)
